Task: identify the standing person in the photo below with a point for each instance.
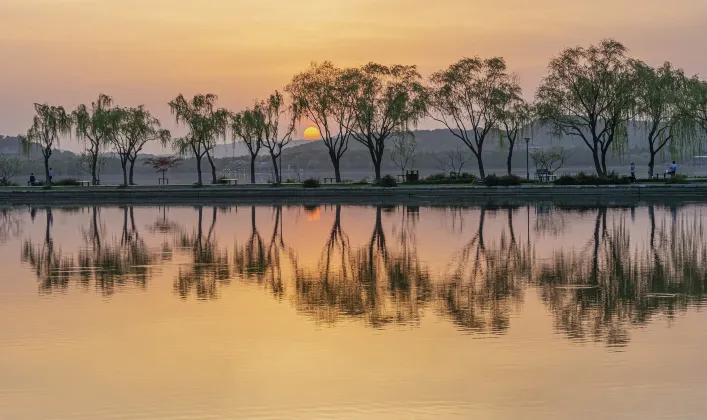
(51, 175)
(673, 168)
(633, 171)
(32, 179)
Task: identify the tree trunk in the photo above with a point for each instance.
(124, 165)
(603, 163)
(276, 169)
(252, 169)
(198, 169)
(597, 163)
(508, 161)
(94, 168)
(213, 168)
(46, 169)
(335, 161)
(377, 158)
(482, 173)
(651, 165)
(132, 169)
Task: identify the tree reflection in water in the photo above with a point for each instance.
(373, 282)
(10, 224)
(485, 281)
(53, 270)
(110, 264)
(603, 290)
(209, 267)
(597, 291)
(254, 260)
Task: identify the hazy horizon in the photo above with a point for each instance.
(66, 52)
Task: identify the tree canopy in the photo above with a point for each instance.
(205, 125)
(588, 93)
(386, 100)
(325, 97)
(467, 98)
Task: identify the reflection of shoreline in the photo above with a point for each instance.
(597, 291)
(451, 195)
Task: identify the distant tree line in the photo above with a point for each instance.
(591, 93)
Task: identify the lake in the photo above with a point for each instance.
(353, 312)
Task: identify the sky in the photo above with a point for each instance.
(66, 52)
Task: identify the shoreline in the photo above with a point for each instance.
(438, 194)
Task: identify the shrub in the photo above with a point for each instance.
(221, 179)
(464, 178)
(290, 181)
(506, 180)
(677, 179)
(591, 179)
(387, 181)
(311, 183)
(66, 182)
(7, 183)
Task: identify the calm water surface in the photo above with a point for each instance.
(354, 312)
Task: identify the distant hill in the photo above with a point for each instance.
(240, 149)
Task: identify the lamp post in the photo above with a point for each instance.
(527, 157)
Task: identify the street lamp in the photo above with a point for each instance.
(527, 158)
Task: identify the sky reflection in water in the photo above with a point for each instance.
(584, 275)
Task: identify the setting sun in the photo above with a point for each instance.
(311, 133)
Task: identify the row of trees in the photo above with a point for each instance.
(102, 125)
(591, 93)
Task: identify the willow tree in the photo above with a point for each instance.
(93, 126)
(248, 127)
(386, 100)
(696, 104)
(467, 98)
(588, 94)
(50, 123)
(276, 136)
(325, 97)
(135, 128)
(660, 93)
(515, 118)
(206, 125)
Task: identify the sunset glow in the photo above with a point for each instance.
(147, 51)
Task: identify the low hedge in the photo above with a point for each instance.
(67, 182)
(463, 178)
(387, 181)
(311, 183)
(677, 179)
(506, 180)
(592, 179)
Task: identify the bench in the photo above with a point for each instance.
(83, 183)
(230, 181)
(544, 176)
(161, 181)
(329, 180)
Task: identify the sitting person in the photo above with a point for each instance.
(32, 179)
(672, 168)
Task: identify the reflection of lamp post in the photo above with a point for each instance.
(527, 158)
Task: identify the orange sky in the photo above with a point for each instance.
(147, 51)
